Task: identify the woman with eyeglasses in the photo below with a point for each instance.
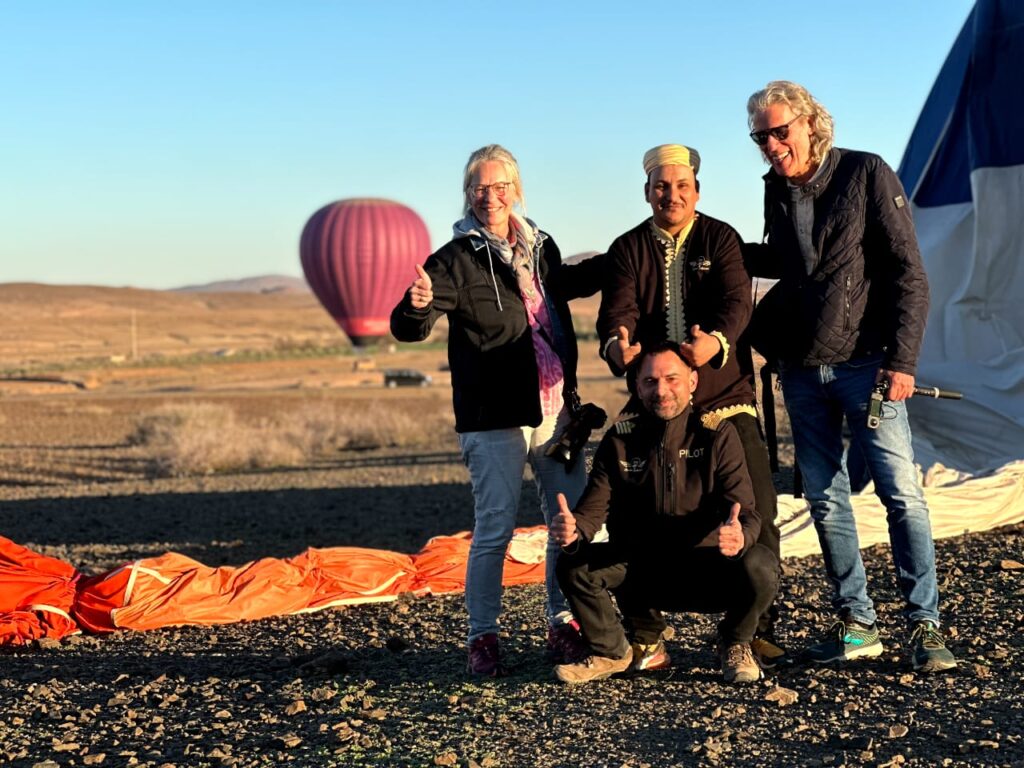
(846, 316)
(512, 353)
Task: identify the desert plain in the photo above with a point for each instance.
(236, 426)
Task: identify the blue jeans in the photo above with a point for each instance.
(817, 399)
(496, 459)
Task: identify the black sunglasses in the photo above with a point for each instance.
(780, 132)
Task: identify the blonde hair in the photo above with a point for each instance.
(800, 100)
(499, 154)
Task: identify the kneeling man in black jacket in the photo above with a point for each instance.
(682, 531)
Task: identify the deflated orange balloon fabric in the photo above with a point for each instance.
(441, 564)
(173, 589)
(99, 595)
(36, 595)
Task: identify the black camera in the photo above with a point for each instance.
(574, 437)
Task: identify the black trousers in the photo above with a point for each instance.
(756, 454)
(699, 580)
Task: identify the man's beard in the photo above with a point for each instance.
(664, 408)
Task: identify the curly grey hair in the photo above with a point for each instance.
(800, 100)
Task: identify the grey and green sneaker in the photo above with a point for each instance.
(930, 653)
(848, 640)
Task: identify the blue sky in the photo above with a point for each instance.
(159, 144)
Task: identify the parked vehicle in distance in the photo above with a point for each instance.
(406, 377)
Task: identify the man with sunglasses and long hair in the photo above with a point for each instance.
(847, 315)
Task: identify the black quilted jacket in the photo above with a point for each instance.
(867, 294)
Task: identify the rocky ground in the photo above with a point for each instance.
(386, 684)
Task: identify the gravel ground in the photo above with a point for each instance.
(385, 684)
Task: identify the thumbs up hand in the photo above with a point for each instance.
(563, 524)
(421, 292)
(730, 534)
(621, 352)
(703, 347)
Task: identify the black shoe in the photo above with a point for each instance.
(930, 653)
(485, 657)
(566, 645)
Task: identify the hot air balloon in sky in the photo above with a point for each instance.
(359, 257)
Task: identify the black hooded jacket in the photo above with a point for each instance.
(495, 383)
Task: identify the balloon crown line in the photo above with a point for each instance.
(366, 201)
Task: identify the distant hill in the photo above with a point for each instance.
(46, 324)
(260, 284)
(576, 258)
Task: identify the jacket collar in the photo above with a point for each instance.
(814, 187)
(470, 227)
(673, 428)
(480, 239)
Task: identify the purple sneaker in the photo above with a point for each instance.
(566, 645)
(484, 657)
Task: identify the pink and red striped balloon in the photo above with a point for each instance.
(358, 257)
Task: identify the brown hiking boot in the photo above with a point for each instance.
(593, 668)
(769, 654)
(738, 665)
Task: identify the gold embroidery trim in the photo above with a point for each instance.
(725, 347)
(712, 419)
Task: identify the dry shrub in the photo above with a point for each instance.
(356, 426)
(323, 429)
(203, 438)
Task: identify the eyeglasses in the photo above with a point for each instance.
(500, 189)
(780, 132)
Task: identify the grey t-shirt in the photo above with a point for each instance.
(803, 219)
